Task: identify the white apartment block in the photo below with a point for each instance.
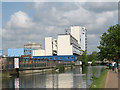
(75, 32)
(84, 39)
(80, 33)
(38, 52)
(68, 45)
(50, 46)
(65, 44)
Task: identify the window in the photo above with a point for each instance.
(71, 57)
(67, 57)
(60, 58)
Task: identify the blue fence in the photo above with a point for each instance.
(39, 61)
(60, 58)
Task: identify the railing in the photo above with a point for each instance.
(25, 63)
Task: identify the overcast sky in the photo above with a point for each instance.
(31, 22)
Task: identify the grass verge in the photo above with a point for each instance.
(100, 82)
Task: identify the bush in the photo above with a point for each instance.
(61, 68)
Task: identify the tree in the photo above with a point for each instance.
(92, 56)
(83, 58)
(110, 43)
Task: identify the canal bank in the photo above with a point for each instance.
(59, 68)
(107, 79)
(99, 82)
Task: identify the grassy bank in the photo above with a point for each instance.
(100, 82)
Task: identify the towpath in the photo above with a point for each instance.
(112, 80)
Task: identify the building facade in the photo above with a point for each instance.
(33, 46)
(19, 52)
(80, 33)
(38, 53)
(83, 39)
(75, 32)
(68, 45)
(50, 46)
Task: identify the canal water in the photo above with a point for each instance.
(73, 78)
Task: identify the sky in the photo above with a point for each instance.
(24, 22)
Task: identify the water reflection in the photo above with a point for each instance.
(96, 70)
(75, 78)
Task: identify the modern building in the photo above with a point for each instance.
(76, 32)
(68, 45)
(80, 33)
(83, 39)
(19, 52)
(50, 46)
(38, 53)
(33, 46)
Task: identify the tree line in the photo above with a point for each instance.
(109, 47)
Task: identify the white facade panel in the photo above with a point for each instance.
(64, 47)
(38, 52)
(83, 39)
(48, 46)
(75, 32)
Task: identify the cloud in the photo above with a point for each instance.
(50, 19)
(19, 20)
(100, 7)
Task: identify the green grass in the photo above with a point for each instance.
(100, 82)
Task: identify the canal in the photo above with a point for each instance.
(73, 78)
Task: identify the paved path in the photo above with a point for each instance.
(112, 80)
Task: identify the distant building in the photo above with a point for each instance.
(75, 32)
(50, 46)
(80, 33)
(19, 52)
(68, 45)
(33, 46)
(83, 39)
(38, 53)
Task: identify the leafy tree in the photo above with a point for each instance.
(110, 43)
(83, 57)
(92, 56)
